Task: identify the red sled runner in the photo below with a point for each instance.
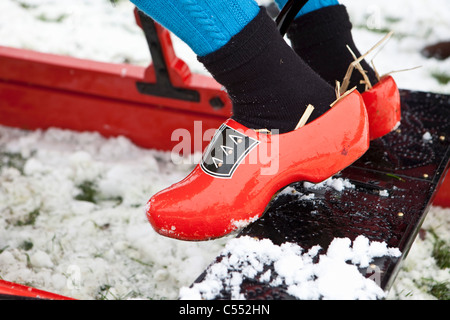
(40, 90)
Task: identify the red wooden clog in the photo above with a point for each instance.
(242, 169)
(383, 107)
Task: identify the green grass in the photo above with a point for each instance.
(114, 2)
(58, 19)
(3, 249)
(441, 77)
(25, 5)
(104, 293)
(12, 160)
(441, 251)
(89, 192)
(26, 245)
(439, 290)
(30, 219)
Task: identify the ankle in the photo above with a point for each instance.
(270, 86)
(321, 38)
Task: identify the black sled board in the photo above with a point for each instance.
(409, 164)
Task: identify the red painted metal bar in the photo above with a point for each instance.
(39, 90)
(443, 195)
(13, 290)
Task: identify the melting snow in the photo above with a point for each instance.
(332, 277)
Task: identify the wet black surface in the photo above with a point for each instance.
(395, 183)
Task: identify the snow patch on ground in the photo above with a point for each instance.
(92, 248)
(332, 277)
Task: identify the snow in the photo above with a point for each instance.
(427, 136)
(105, 249)
(420, 266)
(240, 224)
(106, 244)
(337, 184)
(416, 24)
(331, 278)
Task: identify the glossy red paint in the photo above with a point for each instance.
(202, 207)
(442, 198)
(39, 91)
(20, 291)
(383, 107)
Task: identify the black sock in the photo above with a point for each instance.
(269, 84)
(320, 38)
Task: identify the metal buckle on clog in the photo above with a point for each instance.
(226, 151)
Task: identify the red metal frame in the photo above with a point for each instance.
(39, 91)
(443, 196)
(14, 290)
